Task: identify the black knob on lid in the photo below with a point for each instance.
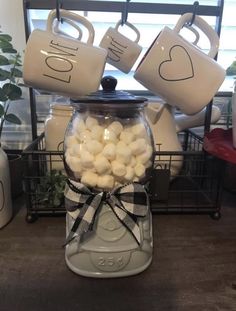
(108, 83)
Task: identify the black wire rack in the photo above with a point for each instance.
(187, 181)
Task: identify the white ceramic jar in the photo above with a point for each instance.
(5, 190)
(55, 127)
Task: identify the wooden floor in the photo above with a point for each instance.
(193, 268)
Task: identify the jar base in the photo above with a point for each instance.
(110, 250)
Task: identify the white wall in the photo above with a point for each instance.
(12, 21)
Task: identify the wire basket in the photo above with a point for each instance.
(44, 180)
(188, 181)
(182, 182)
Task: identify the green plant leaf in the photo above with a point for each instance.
(3, 60)
(3, 96)
(5, 37)
(4, 74)
(9, 50)
(12, 61)
(5, 45)
(12, 118)
(12, 91)
(1, 111)
(16, 72)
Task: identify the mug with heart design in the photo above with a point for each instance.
(122, 51)
(179, 71)
(61, 64)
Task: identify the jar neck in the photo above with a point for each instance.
(117, 109)
(61, 110)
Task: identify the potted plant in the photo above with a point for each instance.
(10, 90)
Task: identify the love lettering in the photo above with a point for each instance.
(115, 50)
(58, 63)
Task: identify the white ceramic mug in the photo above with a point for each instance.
(61, 64)
(180, 72)
(184, 122)
(122, 51)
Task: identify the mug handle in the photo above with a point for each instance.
(74, 17)
(195, 32)
(130, 26)
(70, 22)
(203, 25)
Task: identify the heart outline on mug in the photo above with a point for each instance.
(170, 61)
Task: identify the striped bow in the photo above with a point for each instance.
(128, 202)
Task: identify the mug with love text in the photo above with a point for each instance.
(122, 51)
(61, 64)
(179, 71)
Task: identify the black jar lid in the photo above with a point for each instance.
(109, 94)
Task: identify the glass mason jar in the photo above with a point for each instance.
(108, 141)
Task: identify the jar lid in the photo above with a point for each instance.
(109, 95)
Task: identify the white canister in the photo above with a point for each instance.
(5, 190)
(55, 127)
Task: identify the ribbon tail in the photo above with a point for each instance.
(69, 239)
(85, 219)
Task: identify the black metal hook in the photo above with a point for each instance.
(124, 16)
(195, 7)
(58, 7)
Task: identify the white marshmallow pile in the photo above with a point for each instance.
(106, 156)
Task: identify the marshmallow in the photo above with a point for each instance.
(145, 156)
(109, 136)
(105, 181)
(74, 163)
(89, 178)
(102, 165)
(139, 130)
(123, 154)
(127, 136)
(84, 136)
(90, 122)
(138, 146)
(117, 183)
(116, 127)
(118, 169)
(109, 151)
(77, 149)
(68, 153)
(129, 173)
(87, 159)
(121, 144)
(93, 146)
(78, 125)
(97, 132)
(139, 170)
(70, 141)
(133, 161)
